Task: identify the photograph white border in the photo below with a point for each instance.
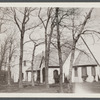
(50, 4)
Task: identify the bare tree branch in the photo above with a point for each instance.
(16, 20)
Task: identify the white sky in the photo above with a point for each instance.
(94, 23)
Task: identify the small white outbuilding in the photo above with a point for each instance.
(85, 69)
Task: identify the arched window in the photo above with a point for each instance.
(43, 74)
(55, 73)
(56, 76)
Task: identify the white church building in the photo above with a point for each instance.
(84, 69)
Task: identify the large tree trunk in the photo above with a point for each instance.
(70, 87)
(1, 65)
(59, 52)
(21, 60)
(3, 57)
(9, 67)
(46, 62)
(9, 75)
(48, 49)
(32, 64)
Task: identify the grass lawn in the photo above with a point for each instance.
(54, 88)
(86, 87)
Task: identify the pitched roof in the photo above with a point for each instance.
(84, 59)
(53, 60)
(37, 62)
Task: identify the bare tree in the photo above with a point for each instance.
(46, 24)
(22, 28)
(3, 50)
(76, 33)
(2, 30)
(36, 44)
(61, 15)
(11, 51)
(76, 36)
(59, 50)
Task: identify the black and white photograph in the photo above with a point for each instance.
(50, 49)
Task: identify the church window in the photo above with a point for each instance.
(84, 71)
(93, 71)
(24, 62)
(76, 72)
